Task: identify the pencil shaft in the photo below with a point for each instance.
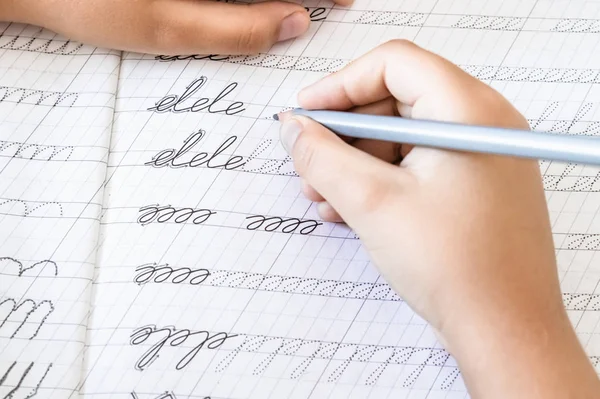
(491, 140)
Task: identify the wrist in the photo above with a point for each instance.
(522, 353)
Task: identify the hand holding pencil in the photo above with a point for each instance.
(463, 237)
(456, 136)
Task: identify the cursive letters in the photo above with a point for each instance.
(175, 338)
(211, 57)
(174, 103)
(287, 225)
(161, 273)
(256, 164)
(170, 156)
(317, 14)
(164, 214)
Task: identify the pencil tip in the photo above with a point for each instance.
(276, 117)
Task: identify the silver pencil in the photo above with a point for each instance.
(452, 136)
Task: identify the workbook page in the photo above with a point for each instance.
(56, 111)
(216, 278)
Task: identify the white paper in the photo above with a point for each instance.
(214, 276)
(56, 109)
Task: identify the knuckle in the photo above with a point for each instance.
(398, 43)
(396, 50)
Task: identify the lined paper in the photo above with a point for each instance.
(217, 278)
(56, 108)
(151, 194)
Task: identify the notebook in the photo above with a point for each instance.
(154, 242)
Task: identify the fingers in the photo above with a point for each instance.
(384, 150)
(328, 213)
(310, 193)
(201, 27)
(388, 152)
(398, 68)
(389, 106)
(352, 182)
(344, 3)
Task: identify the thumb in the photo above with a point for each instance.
(210, 27)
(253, 28)
(354, 183)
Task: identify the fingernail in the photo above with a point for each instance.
(293, 26)
(288, 134)
(284, 116)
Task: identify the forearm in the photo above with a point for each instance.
(526, 353)
(18, 11)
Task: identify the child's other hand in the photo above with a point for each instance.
(166, 26)
(465, 239)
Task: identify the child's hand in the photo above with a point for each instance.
(165, 26)
(465, 239)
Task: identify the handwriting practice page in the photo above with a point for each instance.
(215, 276)
(56, 109)
(154, 240)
